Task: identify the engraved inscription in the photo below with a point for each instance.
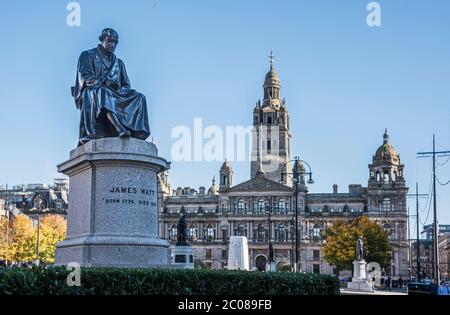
(132, 192)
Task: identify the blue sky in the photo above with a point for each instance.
(344, 81)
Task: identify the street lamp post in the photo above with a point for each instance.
(38, 229)
(297, 178)
(270, 239)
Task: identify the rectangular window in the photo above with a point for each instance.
(316, 269)
(224, 235)
(316, 254)
(269, 146)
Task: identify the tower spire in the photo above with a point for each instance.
(385, 136)
(271, 59)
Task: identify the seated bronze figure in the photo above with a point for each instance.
(109, 107)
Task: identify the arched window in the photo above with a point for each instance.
(192, 232)
(224, 207)
(173, 232)
(269, 120)
(242, 230)
(386, 176)
(281, 235)
(394, 176)
(261, 206)
(386, 205)
(261, 233)
(210, 233)
(241, 206)
(378, 177)
(282, 206)
(317, 232)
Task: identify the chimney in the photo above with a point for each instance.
(335, 189)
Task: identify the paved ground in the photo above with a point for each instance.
(376, 292)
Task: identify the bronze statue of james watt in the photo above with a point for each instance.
(109, 107)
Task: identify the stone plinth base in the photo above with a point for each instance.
(360, 286)
(183, 257)
(359, 280)
(271, 267)
(112, 218)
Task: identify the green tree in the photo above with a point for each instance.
(376, 241)
(341, 238)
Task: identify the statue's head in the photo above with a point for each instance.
(109, 39)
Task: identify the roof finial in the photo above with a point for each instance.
(385, 136)
(271, 59)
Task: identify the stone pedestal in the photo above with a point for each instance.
(183, 257)
(359, 280)
(112, 217)
(271, 266)
(238, 253)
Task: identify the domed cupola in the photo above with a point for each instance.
(213, 189)
(226, 176)
(272, 85)
(386, 153)
(386, 167)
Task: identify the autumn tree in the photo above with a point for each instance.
(18, 240)
(5, 237)
(22, 245)
(341, 239)
(340, 245)
(376, 241)
(53, 230)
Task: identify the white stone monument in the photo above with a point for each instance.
(360, 282)
(238, 253)
(112, 218)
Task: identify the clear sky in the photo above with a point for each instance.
(344, 81)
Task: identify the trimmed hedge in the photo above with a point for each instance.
(96, 281)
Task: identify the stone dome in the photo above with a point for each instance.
(226, 166)
(386, 152)
(213, 189)
(272, 78)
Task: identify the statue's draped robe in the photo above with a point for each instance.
(93, 98)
